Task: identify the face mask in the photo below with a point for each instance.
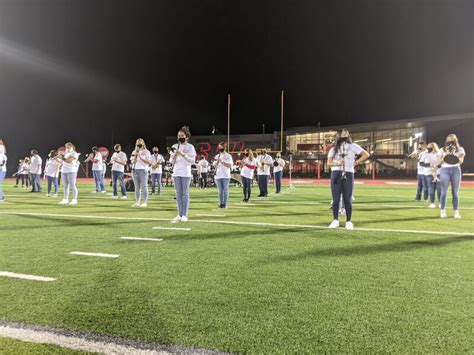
(450, 143)
(221, 150)
(139, 145)
(430, 150)
(247, 154)
(181, 140)
(155, 151)
(264, 153)
(342, 139)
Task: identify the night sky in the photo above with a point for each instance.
(73, 70)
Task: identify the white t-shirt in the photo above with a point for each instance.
(248, 167)
(182, 165)
(268, 160)
(52, 168)
(156, 158)
(140, 164)
(203, 166)
(35, 164)
(442, 154)
(25, 168)
(97, 162)
(419, 169)
(3, 162)
(425, 158)
(118, 156)
(2, 149)
(281, 165)
(351, 150)
(71, 167)
(222, 171)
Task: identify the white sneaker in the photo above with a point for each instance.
(144, 205)
(47, 195)
(124, 197)
(184, 219)
(55, 195)
(136, 204)
(457, 215)
(349, 225)
(176, 219)
(115, 197)
(73, 202)
(63, 202)
(443, 214)
(334, 224)
(432, 205)
(103, 192)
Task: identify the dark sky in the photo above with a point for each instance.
(72, 70)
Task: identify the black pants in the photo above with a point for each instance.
(247, 185)
(345, 187)
(263, 184)
(203, 180)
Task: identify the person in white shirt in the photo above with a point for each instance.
(26, 172)
(278, 166)
(3, 173)
(97, 169)
(69, 169)
(35, 171)
(157, 162)
(118, 161)
(203, 169)
(223, 163)
(431, 162)
(141, 161)
(450, 158)
(422, 188)
(19, 174)
(51, 172)
(3, 150)
(342, 160)
(247, 170)
(264, 164)
(182, 157)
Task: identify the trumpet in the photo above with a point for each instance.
(262, 166)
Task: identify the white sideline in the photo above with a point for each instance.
(71, 342)
(259, 224)
(101, 255)
(142, 238)
(172, 228)
(26, 276)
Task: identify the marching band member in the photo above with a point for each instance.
(69, 169)
(278, 165)
(3, 150)
(264, 163)
(157, 162)
(3, 170)
(19, 174)
(451, 157)
(182, 156)
(341, 159)
(97, 169)
(203, 167)
(422, 188)
(247, 169)
(141, 160)
(433, 176)
(26, 172)
(51, 172)
(35, 170)
(223, 163)
(119, 161)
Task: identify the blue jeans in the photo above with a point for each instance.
(181, 186)
(36, 182)
(99, 180)
(52, 181)
(450, 175)
(433, 188)
(345, 187)
(2, 176)
(223, 190)
(263, 184)
(140, 179)
(203, 180)
(117, 176)
(69, 182)
(155, 181)
(247, 185)
(278, 175)
(422, 187)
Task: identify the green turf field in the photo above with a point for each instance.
(274, 280)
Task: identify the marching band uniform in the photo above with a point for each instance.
(222, 176)
(264, 162)
(278, 172)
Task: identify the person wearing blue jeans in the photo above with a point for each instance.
(119, 161)
(99, 180)
(141, 161)
(52, 181)
(156, 183)
(264, 163)
(423, 186)
(451, 157)
(117, 177)
(181, 185)
(223, 191)
(223, 162)
(247, 169)
(140, 179)
(157, 161)
(278, 166)
(3, 172)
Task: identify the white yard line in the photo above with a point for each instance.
(71, 342)
(173, 228)
(142, 238)
(246, 223)
(100, 255)
(210, 215)
(26, 276)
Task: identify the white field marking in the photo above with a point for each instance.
(71, 342)
(246, 223)
(210, 215)
(244, 204)
(100, 255)
(142, 238)
(173, 228)
(26, 276)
